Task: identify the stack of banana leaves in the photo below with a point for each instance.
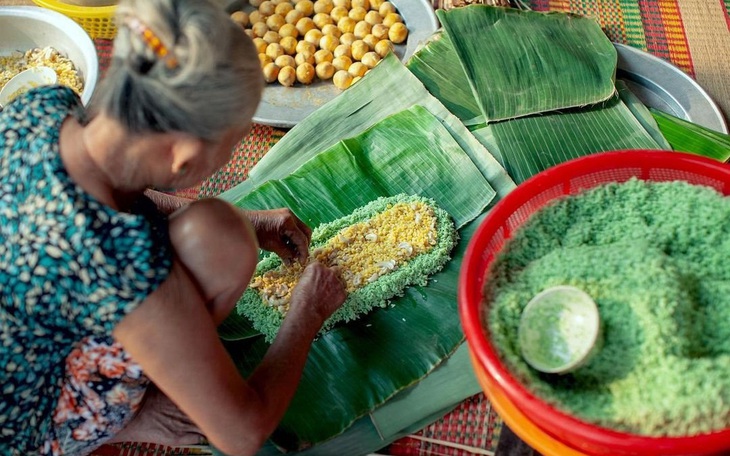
(495, 97)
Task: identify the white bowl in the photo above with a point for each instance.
(27, 27)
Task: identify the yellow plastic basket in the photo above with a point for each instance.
(98, 21)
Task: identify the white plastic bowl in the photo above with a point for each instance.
(27, 27)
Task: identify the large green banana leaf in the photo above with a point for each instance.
(409, 152)
(387, 89)
(523, 62)
(438, 67)
(686, 136)
(532, 144)
(358, 366)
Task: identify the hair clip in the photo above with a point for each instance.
(152, 41)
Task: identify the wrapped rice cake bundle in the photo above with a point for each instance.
(381, 248)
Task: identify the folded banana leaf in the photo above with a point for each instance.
(642, 114)
(358, 366)
(438, 67)
(387, 89)
(523, 62)
(532, 144)
(689, 137)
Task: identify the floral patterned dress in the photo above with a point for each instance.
(70, 270)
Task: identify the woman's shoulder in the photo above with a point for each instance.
(40, 104)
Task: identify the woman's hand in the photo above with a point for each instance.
(320, 292)
(281, 232)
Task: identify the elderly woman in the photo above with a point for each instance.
(101, 293)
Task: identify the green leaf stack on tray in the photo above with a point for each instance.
(496, 97)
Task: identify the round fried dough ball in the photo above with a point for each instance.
(342, 79)
(358, 13)
(305, 73)
(254, 17)
(342, 49)
(338, 12)
(392, 18)
(358, 49)
(331, 29)
(380, 31)
(342, 3)
(375, 4)
(284, 60)
(306, 46)
(304, 25)
(304, 57)
(342, 62)
(283, 8)
(271, 37)
(364, 4)
(240, 18)
(384, 47)
(289, 44)
(329, 42)
(259, 29)
(347, 24)
(323, 55)
(348, 38)
(325, 70)
(386, 8)
(267, 8)
(371, 59)
(288, 30)
(370, 40)
(306, 7)
(362, 29)
(373, 17)
(357, 69)
(287, 76)
(398, 33)
(313, 36)
(275, 21)
(322, 19)
(323, 6)
(274, 50)
(255, 3)
(293, 16)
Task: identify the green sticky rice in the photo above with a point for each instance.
(379, 293)
(655, 258)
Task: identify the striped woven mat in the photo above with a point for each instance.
(692, 34)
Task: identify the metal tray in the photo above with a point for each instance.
(663, 86)
(284, 107)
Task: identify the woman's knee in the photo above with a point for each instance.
(217, 244)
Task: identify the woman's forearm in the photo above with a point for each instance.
(166, 203)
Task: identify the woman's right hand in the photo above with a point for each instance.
(320, 290)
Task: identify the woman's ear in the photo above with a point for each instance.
(185, 150)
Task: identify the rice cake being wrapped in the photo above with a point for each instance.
(381, 248)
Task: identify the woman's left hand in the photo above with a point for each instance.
(281, 232)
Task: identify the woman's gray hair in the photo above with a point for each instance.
(216, 83)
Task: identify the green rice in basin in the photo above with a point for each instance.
(655, 258)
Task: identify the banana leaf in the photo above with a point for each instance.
(409, 152)
(438, 67)
(532, 144)
(523, 62)
(689, 137)
(358, 366)
(642, 114)
(387, 89)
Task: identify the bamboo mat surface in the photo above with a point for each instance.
(694, 35)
